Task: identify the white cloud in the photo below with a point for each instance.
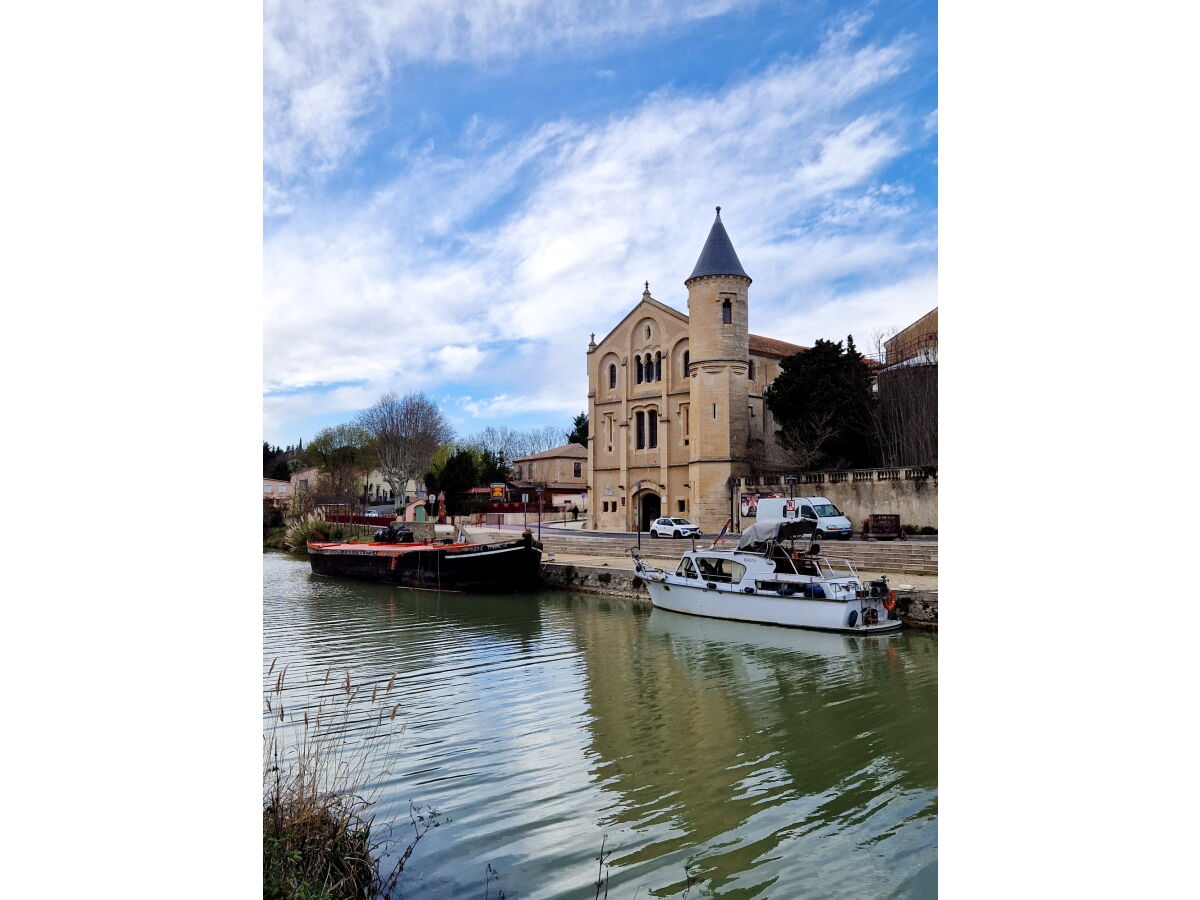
(861, 313)
(326, 62)
(374, 294)
(459, 360)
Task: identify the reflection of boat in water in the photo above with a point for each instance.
(764, 581)
(755, 636)
(451, 566)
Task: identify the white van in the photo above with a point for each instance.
(830, 521)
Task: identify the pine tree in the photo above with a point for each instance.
(823, 404)
(579, 430)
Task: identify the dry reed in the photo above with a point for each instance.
(318, 836)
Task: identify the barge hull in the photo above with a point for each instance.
(476, 568)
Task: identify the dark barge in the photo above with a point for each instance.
(514, 565)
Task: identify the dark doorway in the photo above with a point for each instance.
(651, 507)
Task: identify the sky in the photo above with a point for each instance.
(458, 194)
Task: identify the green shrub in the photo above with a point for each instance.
(927, 529)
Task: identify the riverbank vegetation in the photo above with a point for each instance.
(312, 526)
(320, 765)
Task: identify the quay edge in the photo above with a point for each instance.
(918, 609)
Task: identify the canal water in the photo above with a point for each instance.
(744, 760)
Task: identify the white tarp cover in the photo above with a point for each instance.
(775, 530)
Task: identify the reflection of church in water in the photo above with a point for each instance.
(674, 399)
(693, 719)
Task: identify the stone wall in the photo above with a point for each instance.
(596, 580)
(918, 609)
(422, 531)
(860, 492)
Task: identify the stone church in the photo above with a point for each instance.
(674, 399)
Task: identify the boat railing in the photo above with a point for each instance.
(833, 572)
(639, 564)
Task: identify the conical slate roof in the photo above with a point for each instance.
(718, 256)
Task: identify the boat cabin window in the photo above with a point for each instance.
(717, 569)
(686, 569)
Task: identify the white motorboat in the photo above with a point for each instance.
(764, 580)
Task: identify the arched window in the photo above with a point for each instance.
(649, 364)
(639, 370)
(687, 358)
(612, 376)
(658, 366)
(726, 313)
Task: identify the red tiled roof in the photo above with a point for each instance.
(571, 451)
(765, 346)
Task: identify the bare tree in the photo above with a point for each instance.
(907, 412)
(512, 443)
(803, 448)
(407, 431)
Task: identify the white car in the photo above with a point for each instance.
(673, 528)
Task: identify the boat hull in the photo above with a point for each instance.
(503, 566)
(767, 609)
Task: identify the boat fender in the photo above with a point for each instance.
(786, 590)
(853, 618)
(747, 590)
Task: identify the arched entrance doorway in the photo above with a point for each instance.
(650, 508)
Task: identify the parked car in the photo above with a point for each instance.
(667, 527)
(830, 521)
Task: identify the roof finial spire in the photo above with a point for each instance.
(646, 292)
(718, 256)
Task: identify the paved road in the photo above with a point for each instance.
(579, 531)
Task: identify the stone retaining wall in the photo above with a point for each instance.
(918, 609)
(595, 580)
(915, 500)
(423, 532)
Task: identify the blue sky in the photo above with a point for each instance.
(457, 194)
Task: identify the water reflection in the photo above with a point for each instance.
(735, 751)
(770, 762)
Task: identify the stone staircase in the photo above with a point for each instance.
(915, 557)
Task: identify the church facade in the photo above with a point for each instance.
(674, 400)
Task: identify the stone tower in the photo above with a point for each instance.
(718, 294)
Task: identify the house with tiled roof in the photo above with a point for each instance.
(675, 400)
(561, 472)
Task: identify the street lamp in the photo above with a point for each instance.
(791, 483)
(539, 496)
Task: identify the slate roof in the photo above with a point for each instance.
(765, 346)
(572, 451)
(718, 256)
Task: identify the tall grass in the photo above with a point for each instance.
(311, 526)
(320, 841)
